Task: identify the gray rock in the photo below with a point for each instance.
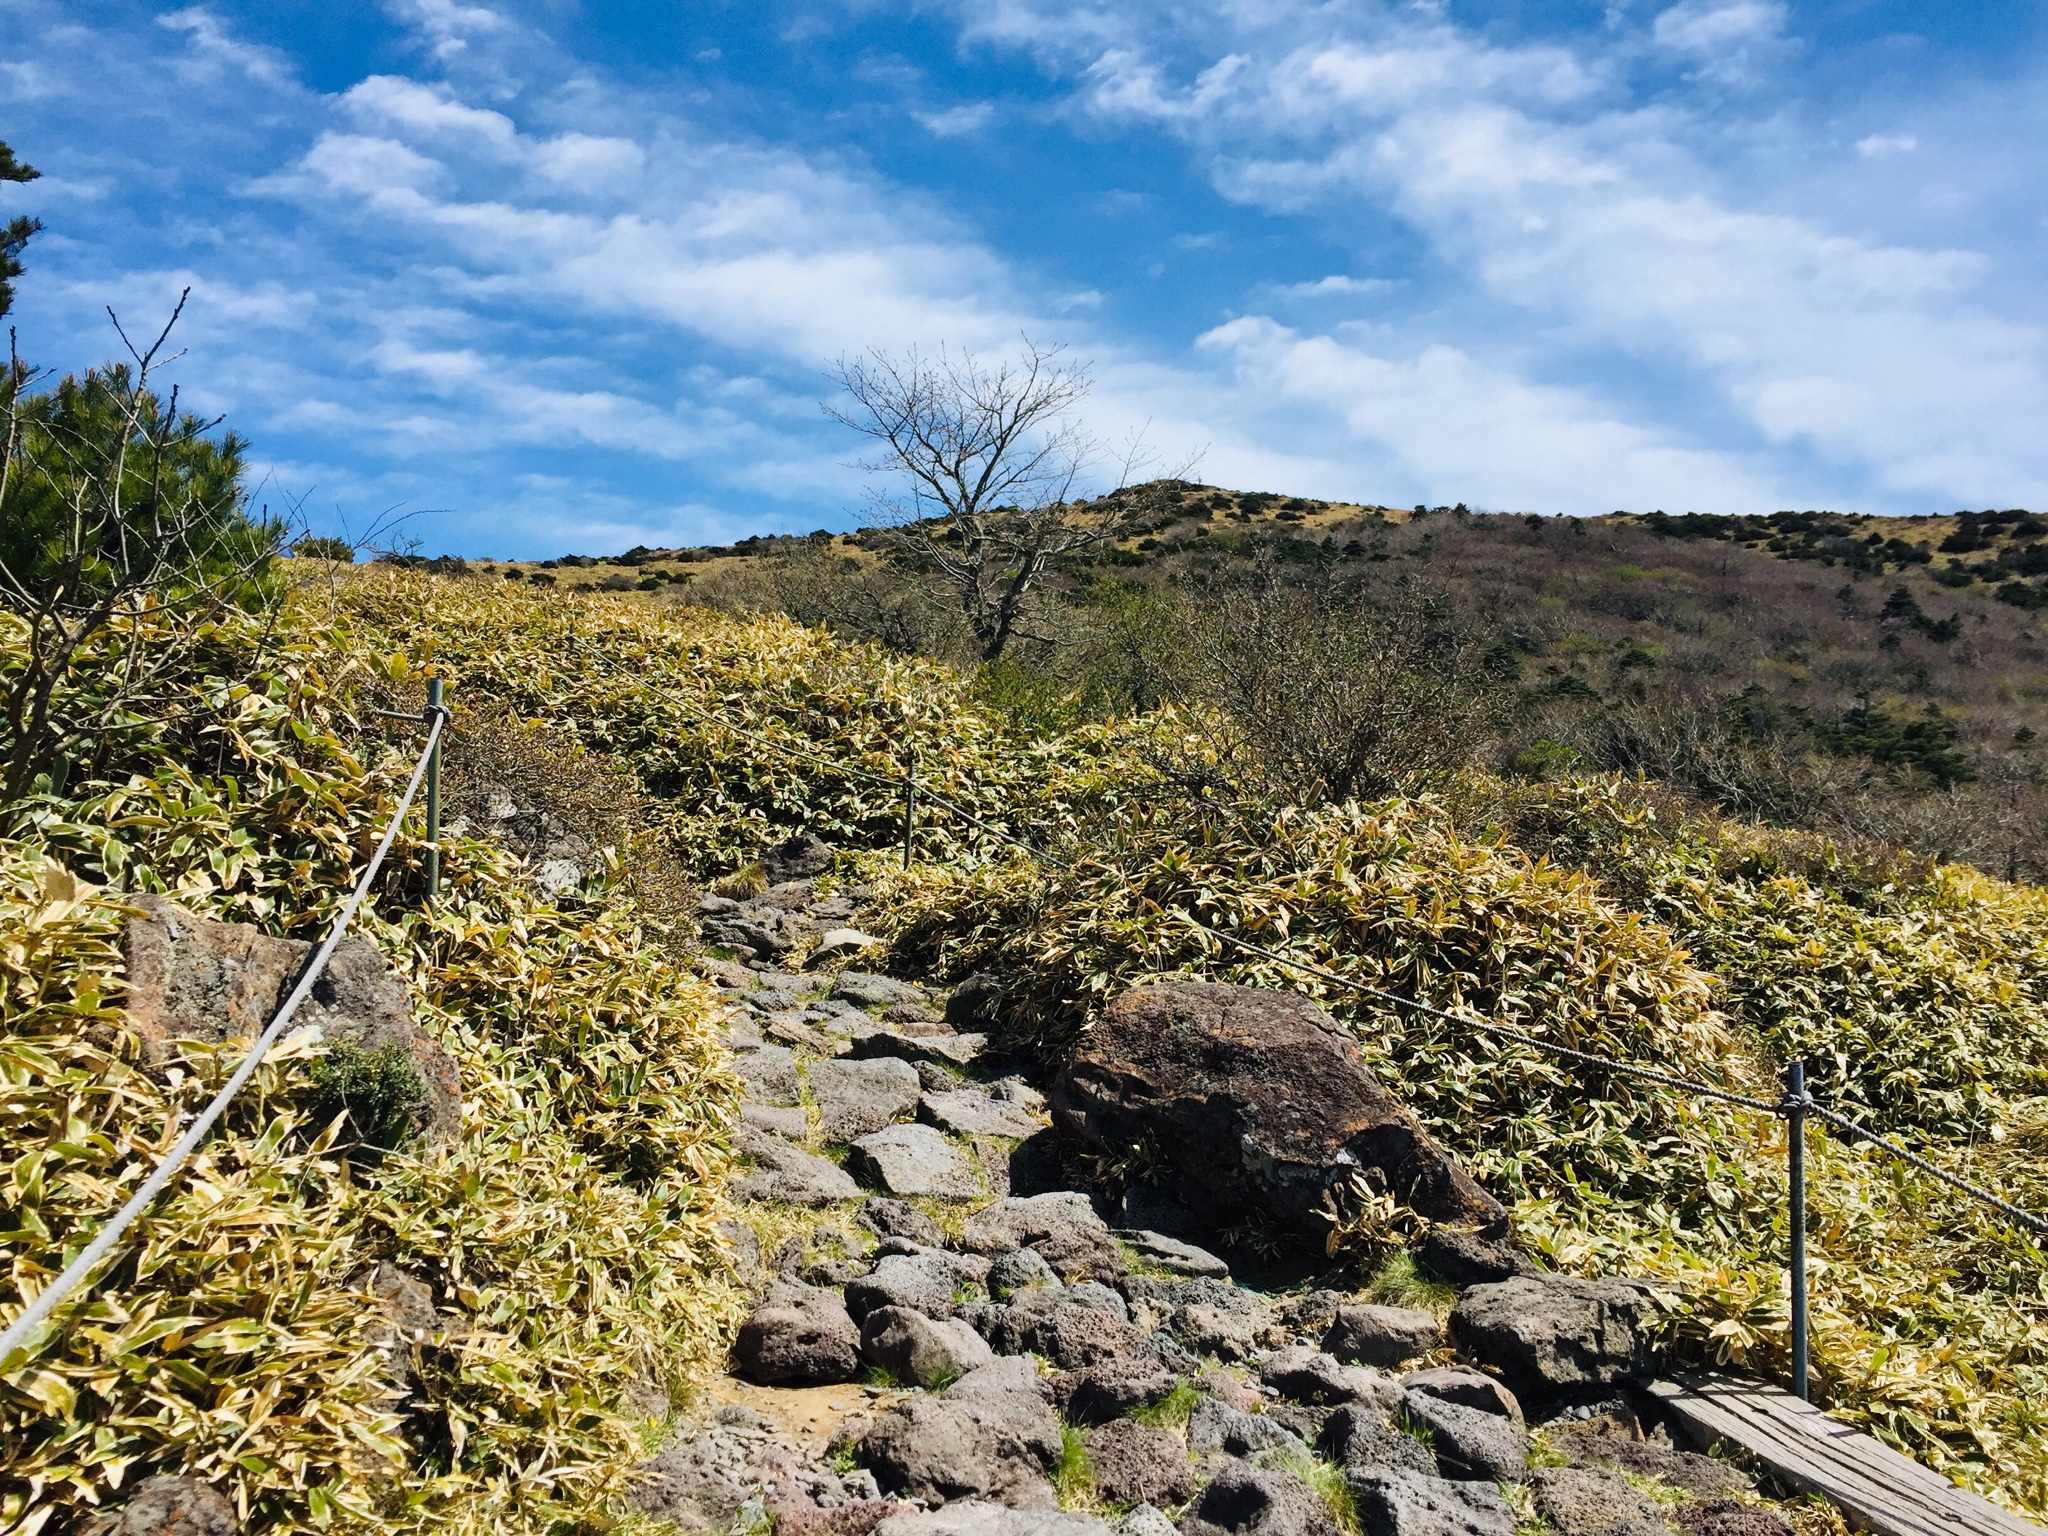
(770, 1075)
(991, 1434)
(789, 1124)
(1702, 1476)
(1227, 1321)
(1394, 1503)
(833, 1272)
(744, 1247)
(914, 1160)
(1216, 1426)
(1155, 1210)
(784, 1172)
(1260, 1105)
(190, 978)
(1585, 1501)
(894, 1218)
(1376, 1335)
(1061, 1225)
(1469, 1443)
(1134, 1464)
(1465, 1258)
(944, 1050)
(1146, 1520)
(1356, 1435)
(803, 856)
(855, 1098)
(1313, 1312)
(1024, 1269)
(692, 1482)
(1015, 1090)
(975, 1517)
(920, 1349)
(172, 1506)
(1071, 1332)
(743, 1034)
(1472, 1389)
(970, 1112)
(1549, 1334)
(798, 1337)
(1309, 1377)
(934, 1283)
(871, 991)
(1243, 1500)
(1114, 1388)
(1159, 1251)
(1166, 1349)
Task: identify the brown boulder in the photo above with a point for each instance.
(1260, 1106)
(190, 978)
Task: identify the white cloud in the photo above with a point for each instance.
(1879, 144)
(1337, 286)
(957, 122)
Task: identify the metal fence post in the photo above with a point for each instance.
(909, 808)
(1796, 1103)
(434, 708)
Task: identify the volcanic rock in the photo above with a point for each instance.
(1261, 1106)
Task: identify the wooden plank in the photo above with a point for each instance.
(1876, 1488)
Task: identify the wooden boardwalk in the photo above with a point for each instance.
(1875, 1487)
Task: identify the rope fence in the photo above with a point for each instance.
(76, 1273)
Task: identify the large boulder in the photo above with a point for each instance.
(190, 978)
(1469, 1442)
(785, 1172)
(934, 1282)
(1114, 1388)
(1379, 1335)
(1068, 1326)
(798, 1337)
(857, 1097)
(926, 1351)
(1307, 1376)
(1216, 1426)
(990, 1435)
(1138, 1465)
(1357, 1435)
(1472, 1389)
(1260, 1105)
(1548, 1336)
(914, 1160)
(1061, 1225)
(1244, 1500)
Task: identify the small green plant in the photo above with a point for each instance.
(380, 1091)
(1073, 1476)
(1400, 1283)
(1543, 1454)
(844, 1462)
(1171, 1411)
(1521, 1504)
(1327, 1479)
(1413, 1427)
(884, 1376)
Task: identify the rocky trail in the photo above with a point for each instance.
(952, 1335)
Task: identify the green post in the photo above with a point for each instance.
(434, 712)
(1796, 1102)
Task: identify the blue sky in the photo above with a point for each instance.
(566, 277)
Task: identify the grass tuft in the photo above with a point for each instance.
(1171, 1411)
(1401, 1283)
(1073, 1476)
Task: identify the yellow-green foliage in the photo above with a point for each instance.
(567, 1232)
(1580, 912)
(1931, 1318)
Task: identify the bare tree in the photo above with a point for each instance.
(117, 511)
(992, 458)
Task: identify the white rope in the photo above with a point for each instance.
(76, 1271)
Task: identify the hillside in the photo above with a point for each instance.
(1869, 677)
(571, 1229)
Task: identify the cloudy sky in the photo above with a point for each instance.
(565, 277)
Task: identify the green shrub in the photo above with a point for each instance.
(380, 1091)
